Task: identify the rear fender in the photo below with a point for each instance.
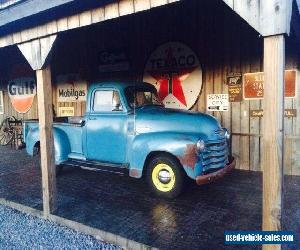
(182, 146)
(61, 144)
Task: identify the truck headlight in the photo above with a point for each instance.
(200, 146)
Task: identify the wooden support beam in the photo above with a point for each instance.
(44, 90)
(273, 134)
(36, 53)
(268, 17)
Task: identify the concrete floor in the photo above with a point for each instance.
(124, 206)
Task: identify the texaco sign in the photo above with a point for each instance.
(174, 69)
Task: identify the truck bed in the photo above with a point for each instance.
(71, 127)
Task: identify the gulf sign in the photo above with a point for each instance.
(21, 92)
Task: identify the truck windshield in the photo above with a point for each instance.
(138, 97)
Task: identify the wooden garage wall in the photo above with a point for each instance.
(224, 43)
(13, 65)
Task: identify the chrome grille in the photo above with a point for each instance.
(215, 155)
(220, 132)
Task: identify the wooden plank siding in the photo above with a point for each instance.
(107, 12)
(223, 42)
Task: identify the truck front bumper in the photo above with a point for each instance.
(207, 178)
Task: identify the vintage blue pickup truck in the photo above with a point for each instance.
(127, 130)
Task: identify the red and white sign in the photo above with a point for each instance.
(22, 92)
(174, 69)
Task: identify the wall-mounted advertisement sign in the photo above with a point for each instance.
(217, 102)
(66, 111)
(21, 92)
(290, 83)
(289, 113)
(235, 88)
(174, 69)
(234, 78)
(254, 85)
(113, 61)
(71, 89)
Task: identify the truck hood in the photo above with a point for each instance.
(159, 119)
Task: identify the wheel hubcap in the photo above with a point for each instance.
(163, 177)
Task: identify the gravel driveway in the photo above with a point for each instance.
(21, 231)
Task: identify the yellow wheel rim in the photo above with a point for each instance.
(163, 177)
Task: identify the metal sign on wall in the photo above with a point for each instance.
(71, 89)
(235, 89)
(289, 113)
(217, 102)
(21, 92)
(174, 69)
(66, 111)
(113, 60)
(254, 85)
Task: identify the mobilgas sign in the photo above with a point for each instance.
(21, 92)
(174, 69)
(70, 88)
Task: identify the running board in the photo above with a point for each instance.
(121, 169)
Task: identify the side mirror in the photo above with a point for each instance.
(82, 124)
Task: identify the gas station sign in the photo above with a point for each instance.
(21, 92)
(70, 88)
(174, 69)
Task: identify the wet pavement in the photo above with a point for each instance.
(124, 206)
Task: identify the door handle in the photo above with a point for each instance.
(92, 118)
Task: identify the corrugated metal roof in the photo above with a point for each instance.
(6, 3)
(13, 10)
(19, 14)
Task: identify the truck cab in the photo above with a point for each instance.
(127, 130)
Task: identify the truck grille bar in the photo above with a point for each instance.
(215, 155)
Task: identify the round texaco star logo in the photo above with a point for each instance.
(174, 69)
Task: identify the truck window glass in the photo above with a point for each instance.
(138, 97)
(106, 100)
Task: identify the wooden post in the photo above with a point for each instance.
(273, 134)
(36, 53)
(45, 110)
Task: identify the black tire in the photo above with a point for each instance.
(58, 168)
(162, 181)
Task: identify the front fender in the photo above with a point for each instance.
(182, 146)
(61, 144)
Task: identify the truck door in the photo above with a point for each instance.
(106, 127)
